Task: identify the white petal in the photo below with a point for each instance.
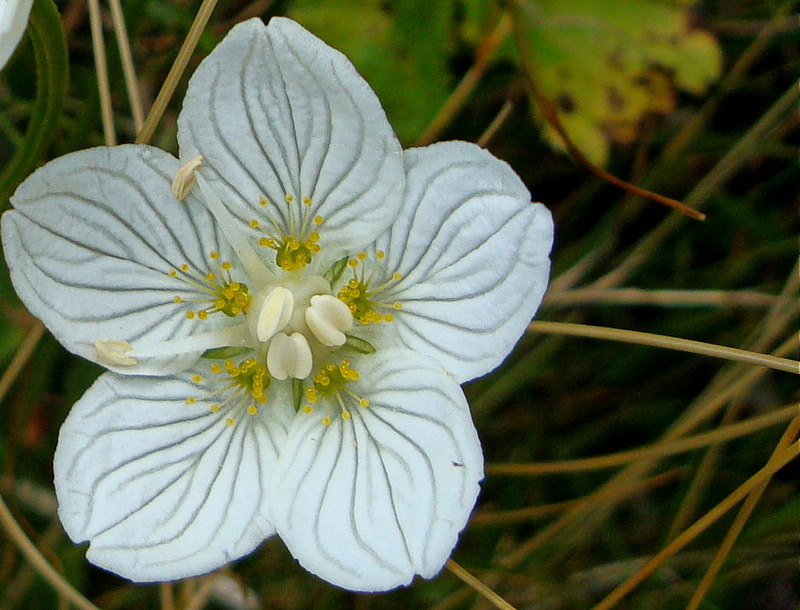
(367, 503)
(473, 252)
(163, 489)
(275, 111)
(13, 21)
(89, 245)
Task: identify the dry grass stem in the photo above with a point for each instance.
(101, 66)
(21, 358)
(176, 72)
(718, 435)
(496, 124)
(201, 595)
(779, 459)
(478, 586)
(737, 526)
(660, 298)
(39, 563)
(128, 70)
(483, 57)
(166, 596)
(675, 343)
(744, 150)
(534, 513)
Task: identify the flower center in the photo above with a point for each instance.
(295, 320)
(224, 294)
(330, 387)
(244, 387)
(360, 295)
(295, 250)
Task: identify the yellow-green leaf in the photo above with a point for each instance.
(608, 63)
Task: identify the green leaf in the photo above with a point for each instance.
(391, 43)
(334, 274)
(297, 393)
(785, 519)
(358, 345)
(223, 353)
(52, 82)
(608, 63)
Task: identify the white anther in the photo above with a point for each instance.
(276, 311)
(114, 353)
(327, 318)
(289, 356)
(184, 180)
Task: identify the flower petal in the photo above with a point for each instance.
(163, 489)
(368, 502)
(274, 111)
(13, 22)
(473, 253)
(90, 243)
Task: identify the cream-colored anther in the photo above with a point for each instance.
(276, 311)
(289, 356)
(184, 180)
(114, 353)
(328, 318)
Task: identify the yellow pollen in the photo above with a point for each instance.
(229, 422)
(397, 276)
(172, 273)
(326, 421)
(397, 305)
(363, 402)
(318, 220)
(380, 254)
(215, 408)
(190, 315)
(251, 410)
(177, 300)
(361, 256)
(226, 266)
(307, 200)
(353, 262)
(263, 201)
(289, 198)
(266, 242)
(190, 400)
(211, 276)
(254, 224)
(307, 409)
(202, 314)
(216, 369)
(345, 414)
(184, 267)
(197, 378)
(389, 317)
(214, 254)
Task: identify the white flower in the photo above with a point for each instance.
(286, 316)
(13, 21)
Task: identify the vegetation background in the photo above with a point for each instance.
(619, 475)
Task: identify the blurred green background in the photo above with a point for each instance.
(694, 100)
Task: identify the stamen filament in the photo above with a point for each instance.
(253, 265)
(234, 336)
